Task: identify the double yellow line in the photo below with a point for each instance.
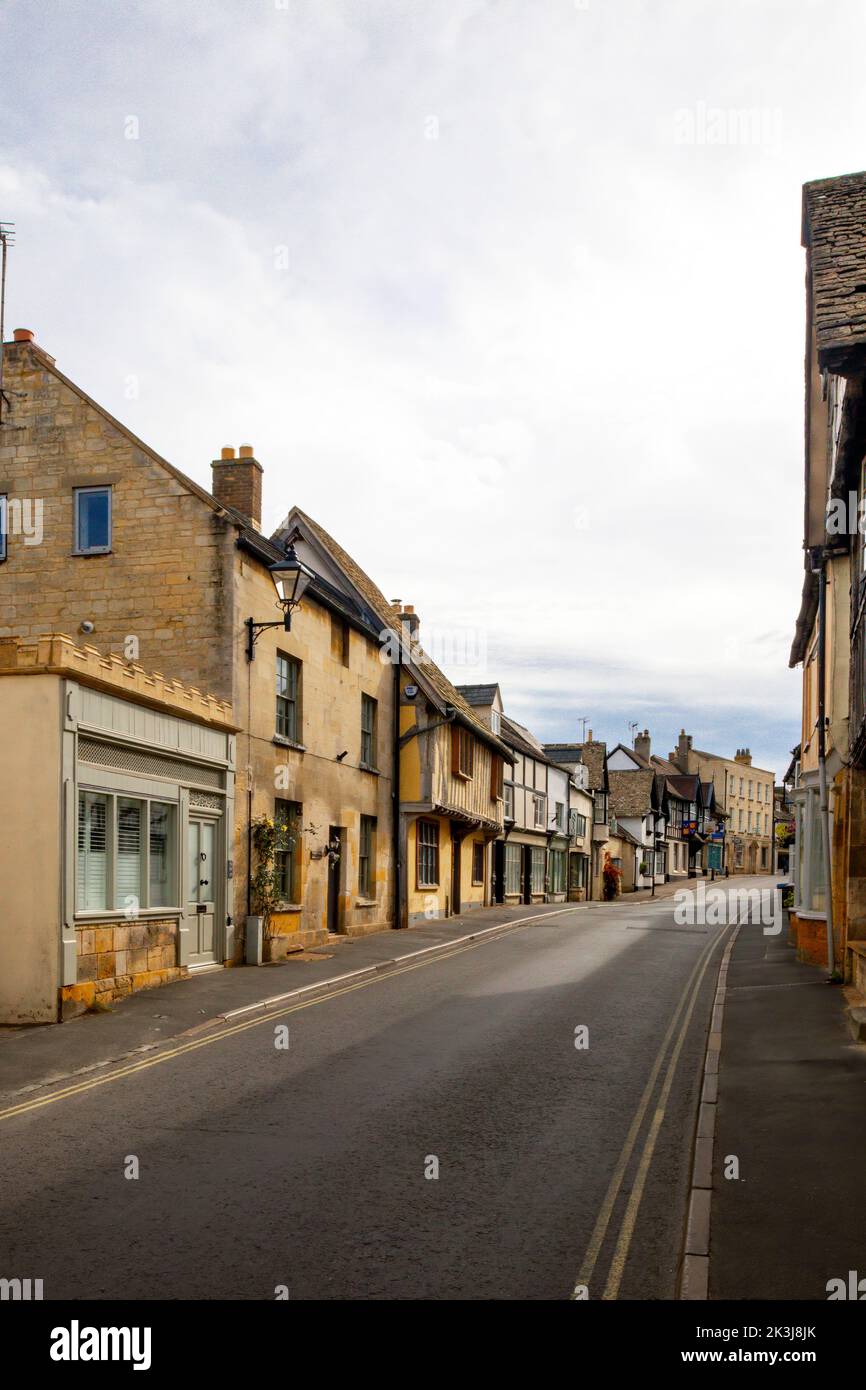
(682, 1015)
(133, 1068)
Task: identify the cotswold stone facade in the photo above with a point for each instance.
(166, 581)
(152, 571)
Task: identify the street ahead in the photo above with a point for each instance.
(306, 1167)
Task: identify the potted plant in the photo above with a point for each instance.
(269, 836)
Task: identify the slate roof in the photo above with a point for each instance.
(592, 755)
(834, 230)
(631, 792)
(390, 616)
(478, 694)
(686, 784)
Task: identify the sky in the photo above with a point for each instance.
(507, 294)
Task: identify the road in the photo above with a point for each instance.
(306, 1167)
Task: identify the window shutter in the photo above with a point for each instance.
(128, 875)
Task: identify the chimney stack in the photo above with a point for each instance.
(681, 756)
(642, 745)
(744, 756)
(409, 621)
(237, 483)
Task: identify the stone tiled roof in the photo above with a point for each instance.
(516, 736)
(631, 792)
(834, 230)
(390, 617)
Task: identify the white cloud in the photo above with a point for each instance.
(536, 364)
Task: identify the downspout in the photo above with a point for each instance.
(819, 561)
(395, 795)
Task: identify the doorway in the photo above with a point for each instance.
(456, 863)
(202, 890)
(335, 860)
(499, 871)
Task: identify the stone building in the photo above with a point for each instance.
(114, 858)
(829, 783)
(107, 542)
(744, 796)
(341, 717)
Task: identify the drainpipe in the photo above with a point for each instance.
(395, 795)
(819, 561)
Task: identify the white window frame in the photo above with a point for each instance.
(80, 492)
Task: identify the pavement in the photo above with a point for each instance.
(505, 1118)
(792, 1111)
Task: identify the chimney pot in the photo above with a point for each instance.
(227, 453)
(245, 451)
(24, 335)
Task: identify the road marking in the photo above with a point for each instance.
(24, 1107)
(599, 1232)
(620, 1254)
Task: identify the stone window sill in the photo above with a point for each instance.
(289, 743)
(366, 902)
(118, 915)
(367, 767)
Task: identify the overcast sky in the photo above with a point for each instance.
(508, 294)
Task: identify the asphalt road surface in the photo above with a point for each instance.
(311, 1167)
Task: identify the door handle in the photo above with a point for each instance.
(203, 882)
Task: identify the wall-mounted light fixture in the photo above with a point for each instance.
(291, 577)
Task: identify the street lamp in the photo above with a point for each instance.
(291, 577)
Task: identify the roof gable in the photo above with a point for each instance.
(429, 676)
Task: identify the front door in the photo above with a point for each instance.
(201, 908)
(527, 874)
(499, 871)
(335, 839)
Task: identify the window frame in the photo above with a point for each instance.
(462, 752)
(478, 848)
(513, 862)
(497, 777)
(427, 850)
(4, 526)
(367, 831)
(291, 701)
(369, 704)
(287, 857)
(112, 908)
(90, 491)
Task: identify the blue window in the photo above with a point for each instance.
(92, 520)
